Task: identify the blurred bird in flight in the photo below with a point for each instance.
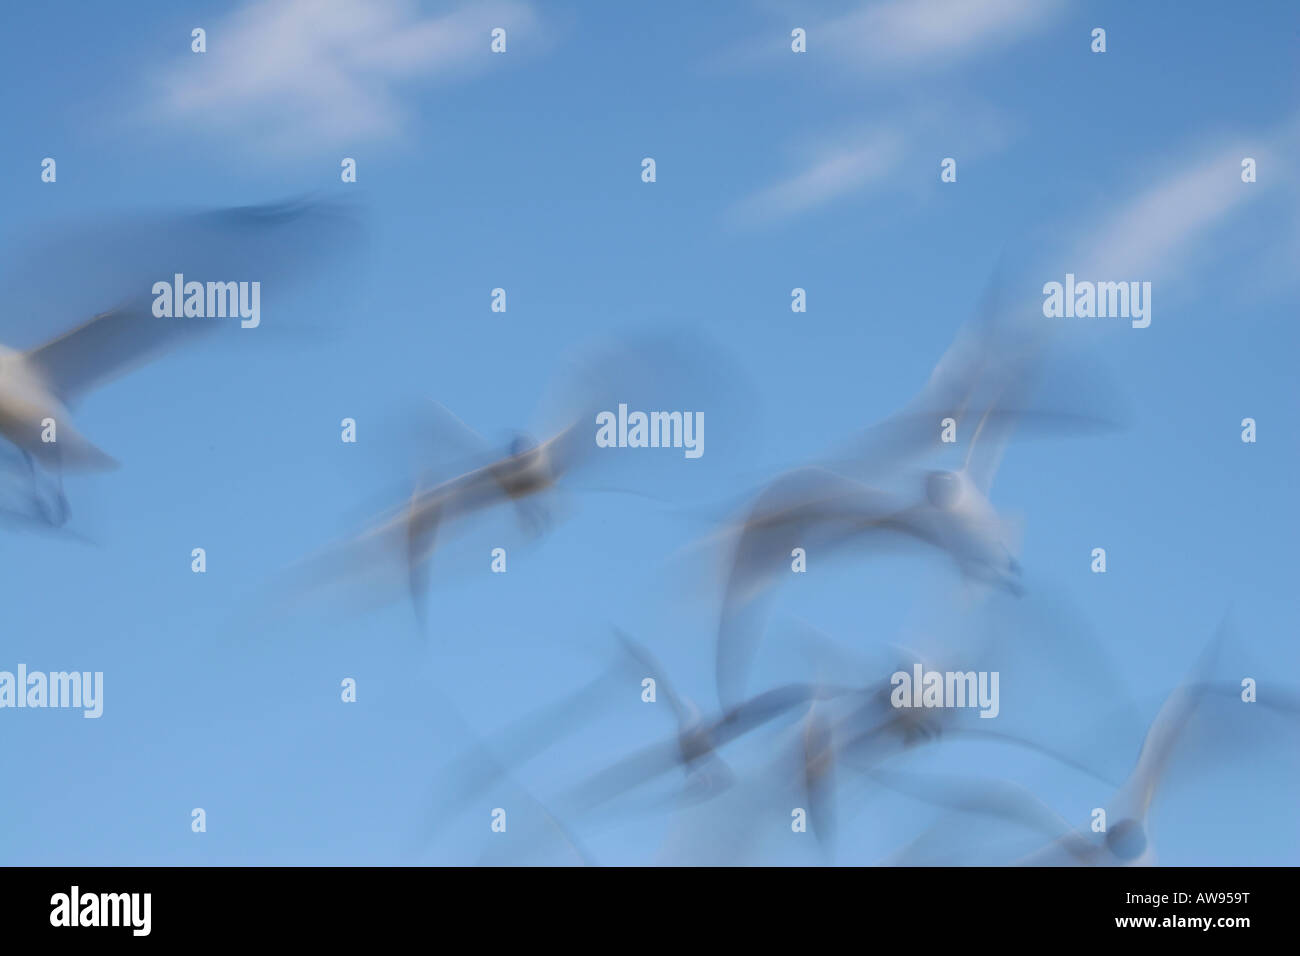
(270, 243)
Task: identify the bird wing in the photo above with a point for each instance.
(818, 774)
(108, 345)
(1004, 799)
(1166, 731)
(270, 243)
(642, 656)
(915, 430)
(784, 515)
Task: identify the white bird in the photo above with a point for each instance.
(814, 508)
(1127, 839)
(407, 533)
(984, 383)
(38, 385)
(397, 544)
(876, 728)
(706, 772)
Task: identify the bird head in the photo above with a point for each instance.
(1127, 840)
(944, 489)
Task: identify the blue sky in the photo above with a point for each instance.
(522, 171)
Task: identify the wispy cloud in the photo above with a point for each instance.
(892, 151)
(897, 35)
(309, 73)
(1156, 230)
(833, 173)
(914, 32)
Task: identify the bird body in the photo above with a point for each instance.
(26, 406)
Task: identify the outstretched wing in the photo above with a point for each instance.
(110, 345)
(120, 263)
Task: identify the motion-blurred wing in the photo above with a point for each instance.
(642, 656)
(1166, 731)
(819, 774)
(118, 264)
(1004, 799)
(110, 345)
(788, 513)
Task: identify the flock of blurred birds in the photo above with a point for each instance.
(829, 736)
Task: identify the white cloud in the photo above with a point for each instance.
(889, 36)
(903, 151)
(1158, 229)
(900, 32)
(309, 73)
(833, 174)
